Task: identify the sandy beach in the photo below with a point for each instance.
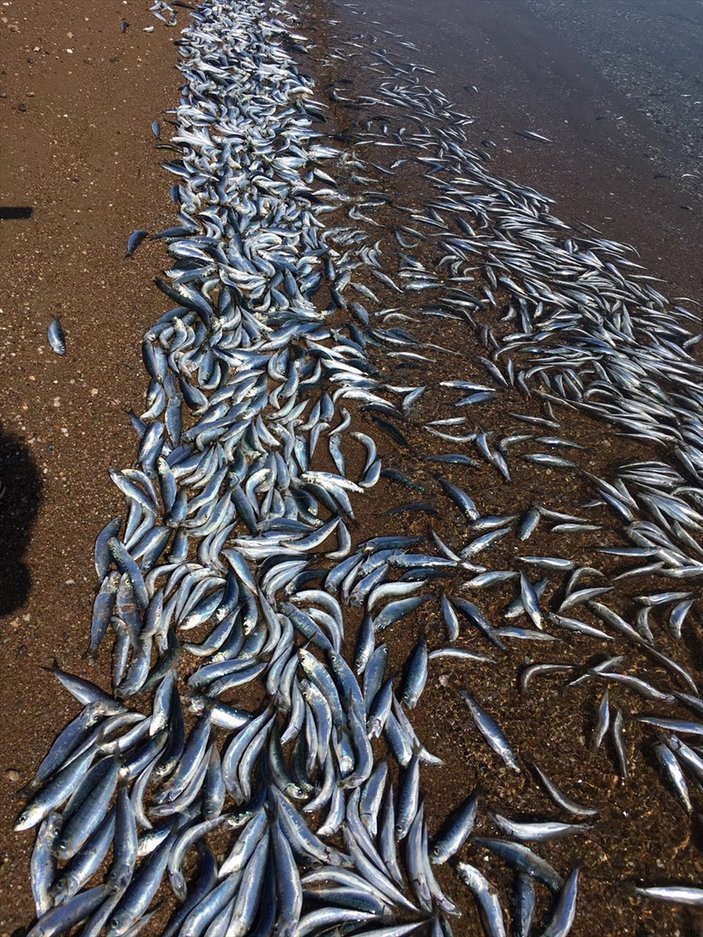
(544, 65)
(81, 171)
(78, 99)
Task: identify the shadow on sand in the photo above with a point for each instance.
(20, 498)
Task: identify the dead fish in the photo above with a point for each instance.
(531, 135)
(57, 339)
(134, 240)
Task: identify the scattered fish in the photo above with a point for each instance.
(240, 552)
(57, 339)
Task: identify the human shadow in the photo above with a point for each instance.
(20, 498)
(15, 212)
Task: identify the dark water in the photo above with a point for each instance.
(652, 52)
(615, 84)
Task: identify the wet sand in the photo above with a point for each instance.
(78, 98)
(641, 834)
(584, 75)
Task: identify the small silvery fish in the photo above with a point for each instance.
(57, 339)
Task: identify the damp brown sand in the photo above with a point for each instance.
(78, 98)
(588, 77)
(642, 833)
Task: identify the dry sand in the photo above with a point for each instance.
(78, 98)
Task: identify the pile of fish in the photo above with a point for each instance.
(253, 769)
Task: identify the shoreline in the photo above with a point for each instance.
(608, 165)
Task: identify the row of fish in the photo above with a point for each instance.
(499, 237)
(241, 767)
